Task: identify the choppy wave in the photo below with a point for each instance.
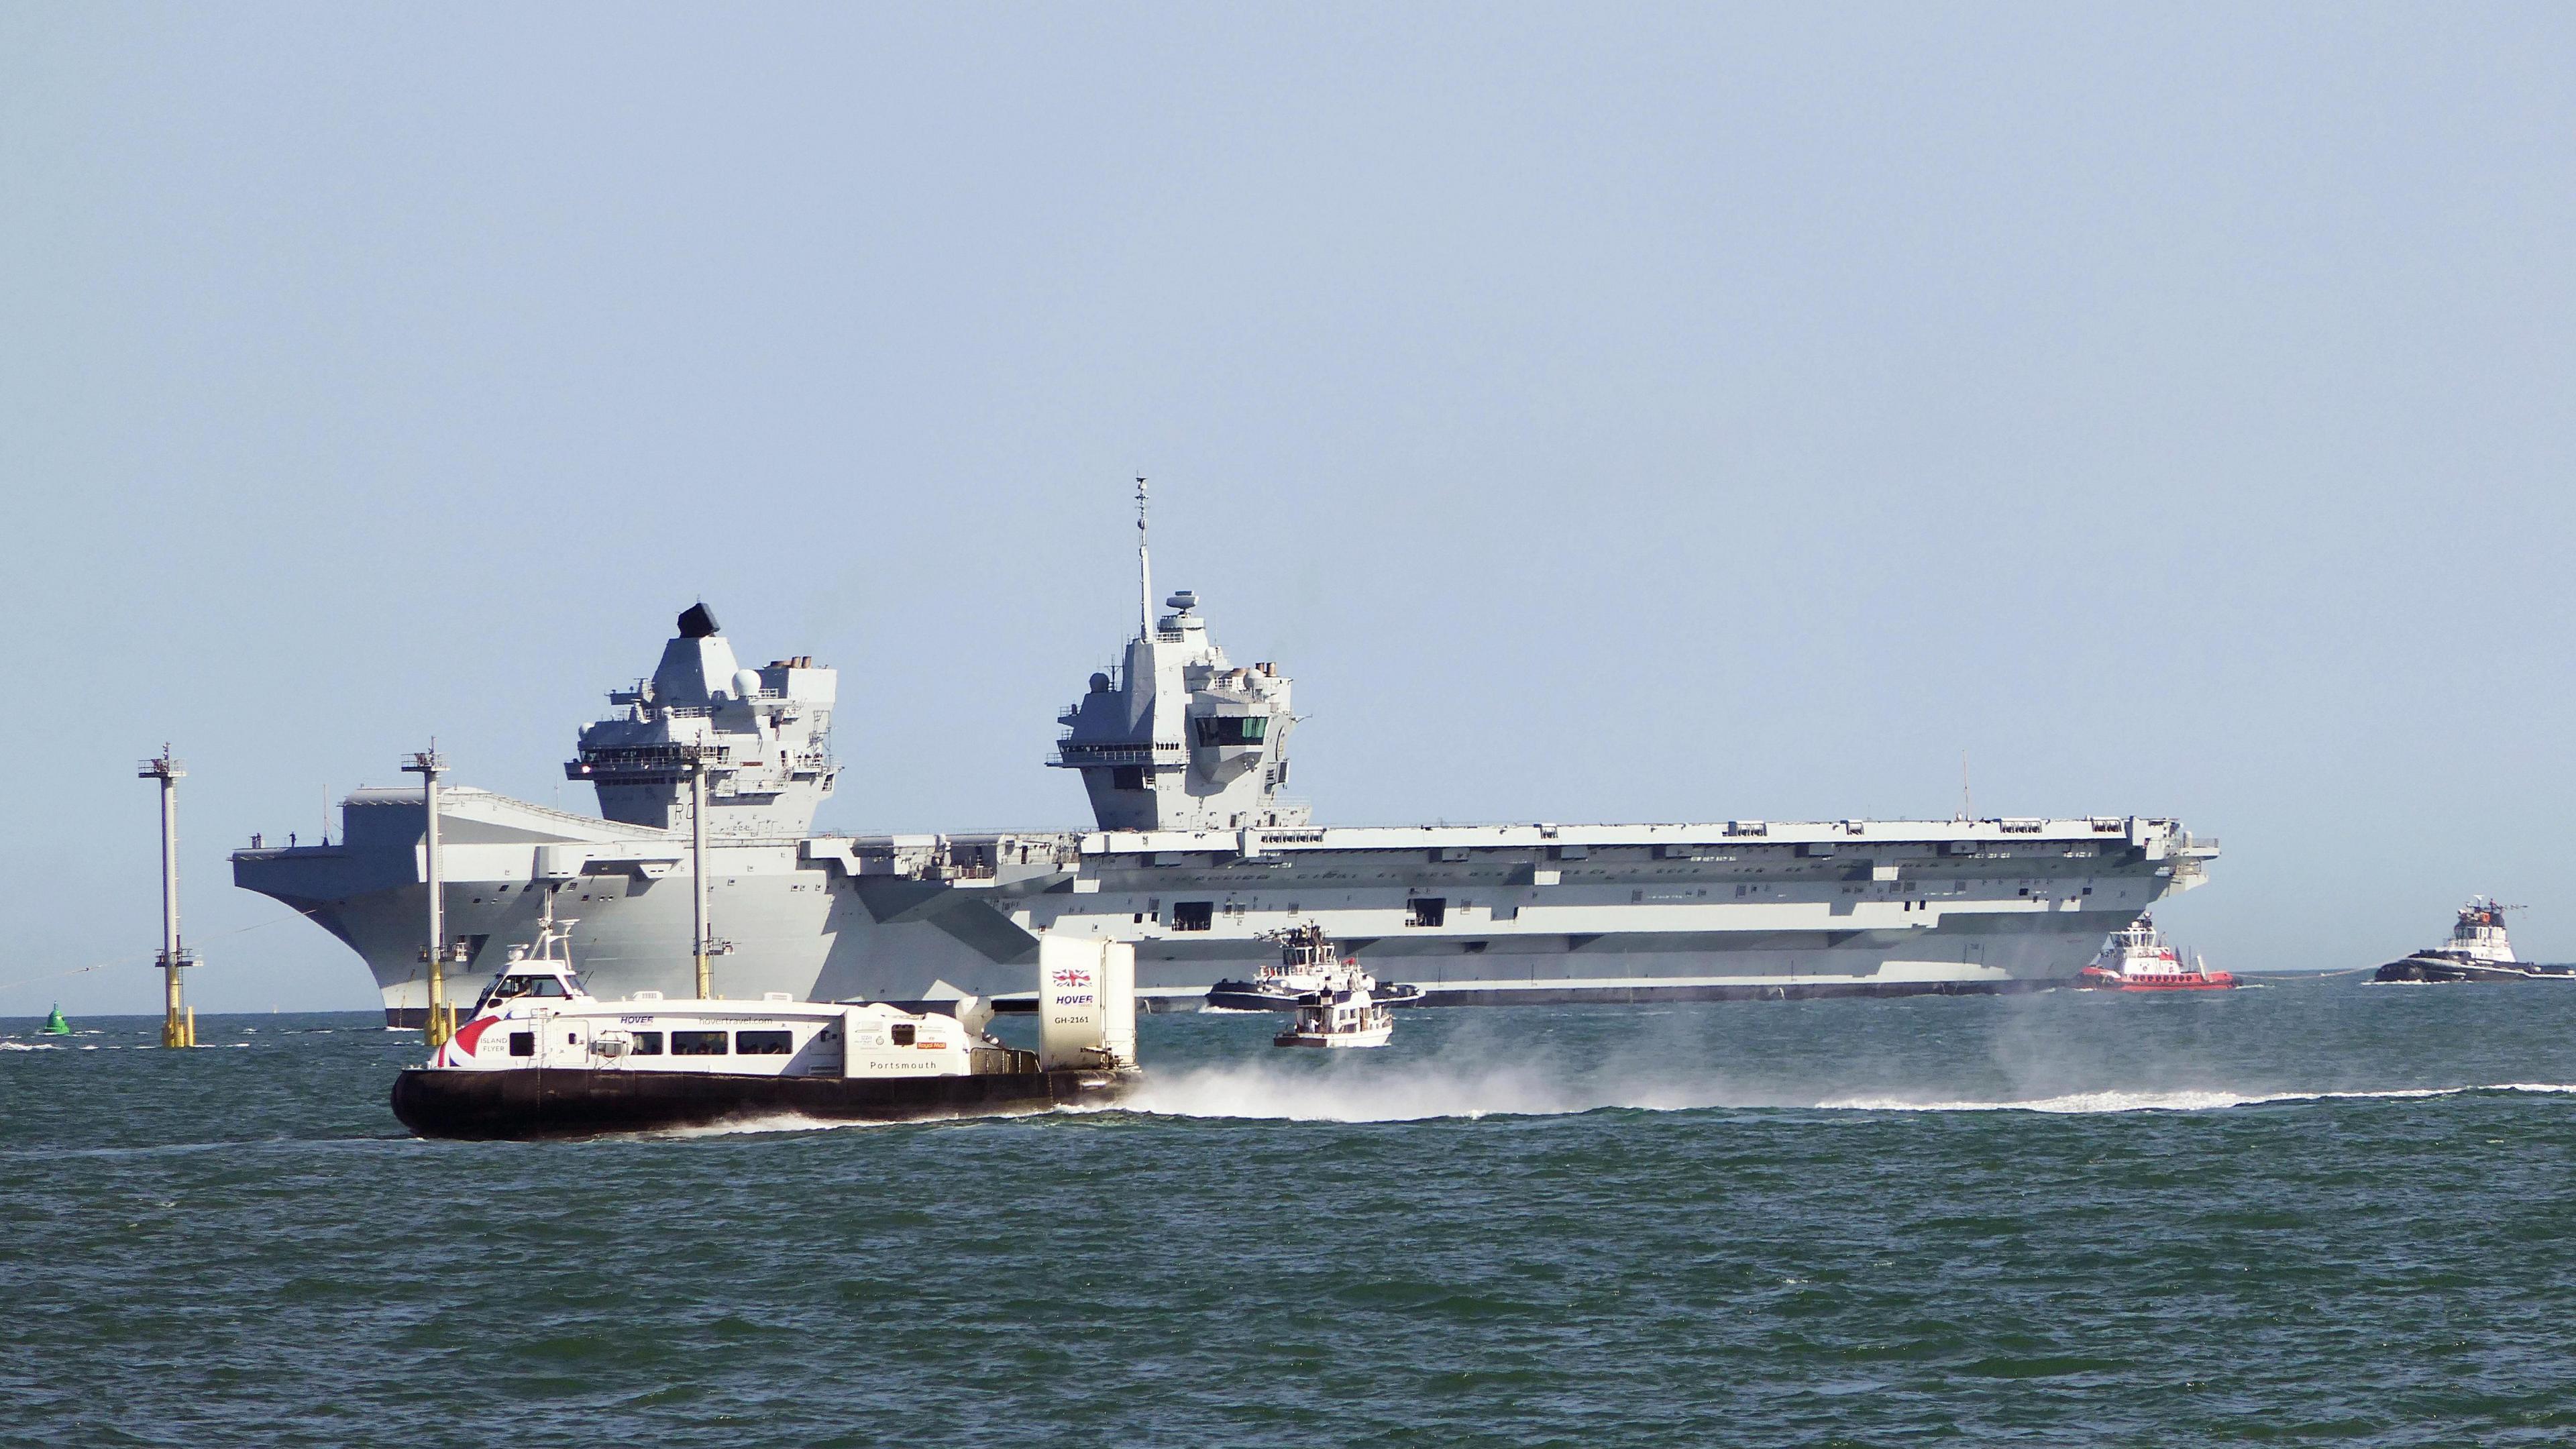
(2115, 1100)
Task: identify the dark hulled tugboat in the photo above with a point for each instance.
(2477, 951)
(1308, 963)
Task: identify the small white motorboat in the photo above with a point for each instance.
(1342, 1012)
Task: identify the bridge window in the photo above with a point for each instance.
(516, 986)
(764, 1043)
(1193, 915)
(697, 1043)
(1233, 729)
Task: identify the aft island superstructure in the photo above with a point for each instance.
(1197, 858)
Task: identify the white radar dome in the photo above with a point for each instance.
(746, 684)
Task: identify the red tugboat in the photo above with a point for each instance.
(2138, 958)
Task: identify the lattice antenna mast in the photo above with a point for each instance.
(1144, 571)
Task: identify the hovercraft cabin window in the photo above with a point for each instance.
(697, 1043)
(1193, 915)
(523, 1043)
(1233, 729)
(764, 1043)
(648, 1044)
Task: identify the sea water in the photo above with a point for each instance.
(2309, 1212)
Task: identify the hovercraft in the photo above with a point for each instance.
(541, 1057)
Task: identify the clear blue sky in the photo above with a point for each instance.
(1605, 413)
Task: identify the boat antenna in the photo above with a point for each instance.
(1967, 806)
(1144, 570)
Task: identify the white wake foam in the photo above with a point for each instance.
(1266, 1091)
(774, 1122)
(739, 1127)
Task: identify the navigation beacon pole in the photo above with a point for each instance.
(440, 1022)
(705, 943)
(178, 1022)
(698, 867)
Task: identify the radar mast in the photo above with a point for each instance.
(1144, 571)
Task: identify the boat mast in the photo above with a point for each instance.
(178, 1024)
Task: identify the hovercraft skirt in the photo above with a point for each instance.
(576, 1102)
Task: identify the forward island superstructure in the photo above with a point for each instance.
(1197, 858)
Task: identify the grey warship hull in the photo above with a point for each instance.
(1474, 914)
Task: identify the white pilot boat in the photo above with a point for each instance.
(542, 1057)
(1342, 1010)
(1339, 1019)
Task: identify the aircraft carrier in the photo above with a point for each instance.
(1196, 852)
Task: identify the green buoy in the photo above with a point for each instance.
(55, 1025)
